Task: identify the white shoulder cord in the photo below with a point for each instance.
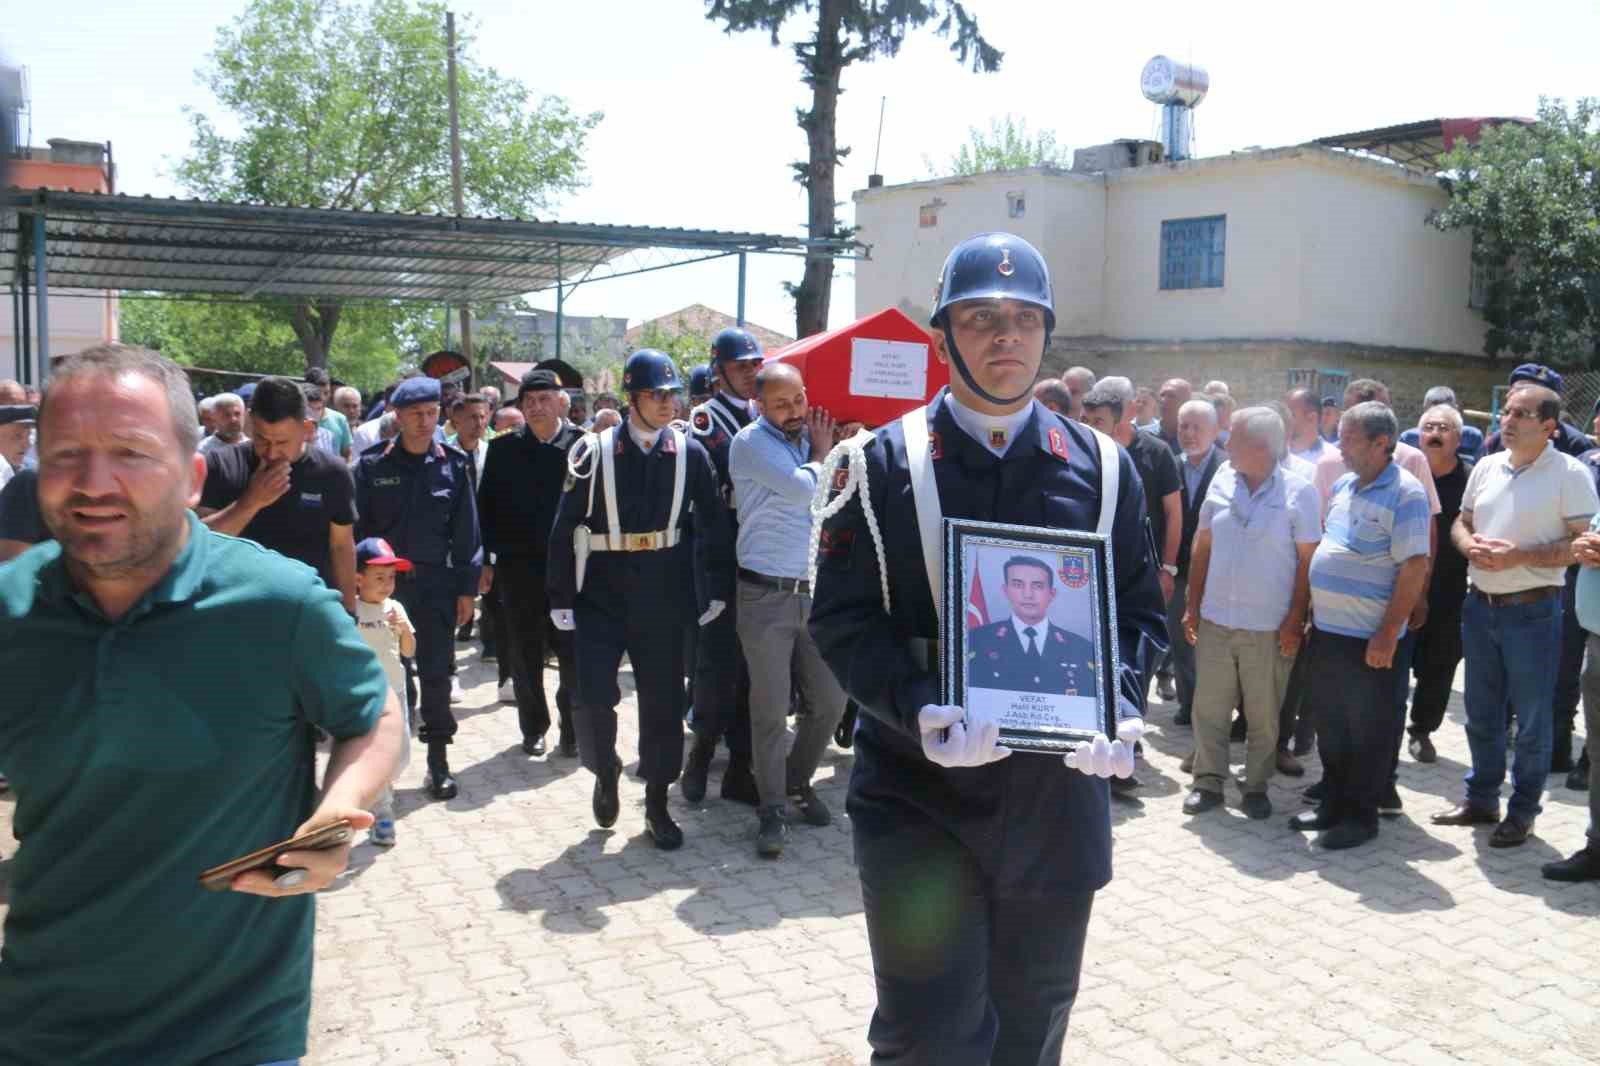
(853, 450)
(925, 495)
(679, 475)
(583, 450)
(608, 466)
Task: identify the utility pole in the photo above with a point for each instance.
(455, 185)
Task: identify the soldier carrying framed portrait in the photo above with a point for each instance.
(1030, 632)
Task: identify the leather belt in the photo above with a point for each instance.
(638, 542)
(797, 585)
(1513, 599)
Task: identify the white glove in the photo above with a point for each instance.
(713, 609)
(955, 737)
(563, 621)
(1108, 759)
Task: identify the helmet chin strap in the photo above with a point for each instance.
(971, 382)
(638, 413)
(727, 382)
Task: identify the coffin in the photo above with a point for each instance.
(871, 371)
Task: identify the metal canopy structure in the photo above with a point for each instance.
(91, 241)
(1416, 145)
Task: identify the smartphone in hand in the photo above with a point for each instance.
(220, 878)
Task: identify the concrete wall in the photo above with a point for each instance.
(1326, 253)
(1064, 219)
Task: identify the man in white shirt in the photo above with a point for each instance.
(1305, 428)
(1520, 511)
(16, 432)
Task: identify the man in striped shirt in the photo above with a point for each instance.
(1366, 577)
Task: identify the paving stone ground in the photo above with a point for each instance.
(506, 930)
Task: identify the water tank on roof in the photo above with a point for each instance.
(1166, 81)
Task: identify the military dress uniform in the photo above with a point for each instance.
(1061, 662)
(423, 505)
(977, 882)
(722, 680)
(629, 600)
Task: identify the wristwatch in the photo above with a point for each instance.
(1171, 568)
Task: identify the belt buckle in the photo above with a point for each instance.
(639, 542)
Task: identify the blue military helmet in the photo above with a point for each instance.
(699, 380)
(734, 344)
(995, 266)
(650, 369)
(992, 266)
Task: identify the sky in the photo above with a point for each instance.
(699, 126)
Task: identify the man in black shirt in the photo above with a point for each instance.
(1438, 650)
(518, 495)
(280, 492)
(21, 524)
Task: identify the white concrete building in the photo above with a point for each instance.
(1247, 266)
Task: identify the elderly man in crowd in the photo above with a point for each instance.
(1520, 511)
(16, 436)
(129, 787)
(1054, 394)
(208, 423)
(508, 420)
(1329, 470)
(1258, 527)
(1197, 435)
(1078, 380)
(227, 411)
(775, 462)
(1367, 576)
(1438, 650)
(1173, 395)
(1471, 445)
(347, 401)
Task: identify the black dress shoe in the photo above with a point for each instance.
(1422, 748)
(1511, 832)
(1347, 835)
(1466, 814)
(1185, 716)
(567, 748)
(1200, 800)
(695, 768)
(662, 829)
(1256, 805)
(739, 785)
(534, 747)
(1124, 786)
(606, 802)
(1315, 793)
(1313, 821)
(1582, 866)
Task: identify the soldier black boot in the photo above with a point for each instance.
(605, 802)
(695, 768)
(441, 786)
(657, 822)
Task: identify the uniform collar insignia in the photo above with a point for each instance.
(997, 437)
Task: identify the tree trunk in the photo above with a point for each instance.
(315, 326)
(812, 296)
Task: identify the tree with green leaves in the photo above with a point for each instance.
(1530, 195)
(845, 32)
(1008, 145)
(343, 104)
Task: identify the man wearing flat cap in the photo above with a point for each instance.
(16, 432)
(518, 496)
(415, 492)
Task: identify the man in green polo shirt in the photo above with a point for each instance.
(161, 685)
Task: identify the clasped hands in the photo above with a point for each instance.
(953, 736)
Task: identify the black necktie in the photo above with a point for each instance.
(1033, 648)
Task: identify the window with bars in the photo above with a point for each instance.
(1193, 252)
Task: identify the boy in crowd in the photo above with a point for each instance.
(386, 628)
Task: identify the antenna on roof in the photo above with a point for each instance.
(875, 179)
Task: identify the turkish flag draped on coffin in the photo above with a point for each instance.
(871, 371)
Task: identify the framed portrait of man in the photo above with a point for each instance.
(1030, 633)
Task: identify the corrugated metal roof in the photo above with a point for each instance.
(1418, 145)
(99, 241)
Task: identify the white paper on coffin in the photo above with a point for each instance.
(891, 369)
